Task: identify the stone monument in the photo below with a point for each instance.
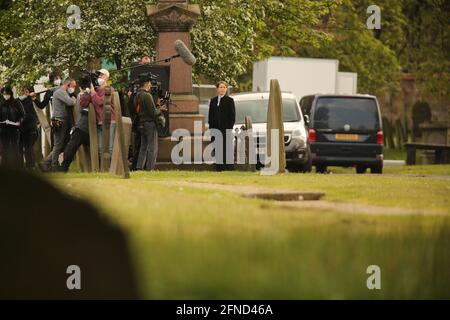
(172, 20)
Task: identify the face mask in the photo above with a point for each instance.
(6, 96)
(22, 97)
(57, 82)
(87, 90)
(71, 90)
(101, 81)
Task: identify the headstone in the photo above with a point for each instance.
(105, 156)
(119, 162)
(93, 143)
(275, 122)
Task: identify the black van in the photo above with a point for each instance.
(344, 131)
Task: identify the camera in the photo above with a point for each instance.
(87, 78)
(156, 90)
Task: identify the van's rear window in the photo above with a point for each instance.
(335, 113)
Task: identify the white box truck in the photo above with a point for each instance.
(347, 83)
(303, 76)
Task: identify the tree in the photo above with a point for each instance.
(8, 28)
(233, 34)
(113, 30)
(229, 36)
(361, 50)
(425, 51)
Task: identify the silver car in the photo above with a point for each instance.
(255, 105)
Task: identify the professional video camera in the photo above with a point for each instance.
(156, 90)
(87, 78)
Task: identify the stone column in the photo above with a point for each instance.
(172, 20)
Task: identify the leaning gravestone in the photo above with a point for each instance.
(42, 118)
(275, 122)
(105, 156)
(119, 162)
(93, 142)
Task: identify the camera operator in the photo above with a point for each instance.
(147, 114)
(11, 116)
(97, 96)
(132, 91)
(61, 123)
(28, 129)
(80, 134)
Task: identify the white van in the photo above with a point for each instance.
(255, 105)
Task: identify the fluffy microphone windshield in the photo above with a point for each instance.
(184, 52)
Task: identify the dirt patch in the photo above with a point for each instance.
(344, 207)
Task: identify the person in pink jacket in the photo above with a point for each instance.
(98, 100)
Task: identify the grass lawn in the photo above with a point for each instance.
(190, 242)
(411, 170)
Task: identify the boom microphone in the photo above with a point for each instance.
(184, 52)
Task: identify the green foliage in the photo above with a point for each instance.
(229, 36)
(358, 49)
(223, 39)
(289, 25)
(232, 34)
(117, 31)
(425, 51)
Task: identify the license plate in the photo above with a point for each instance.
(346, 136)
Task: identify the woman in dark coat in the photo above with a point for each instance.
(11, 117)
(222, 116)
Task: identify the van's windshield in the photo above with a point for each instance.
(334, 113)
(257, 110)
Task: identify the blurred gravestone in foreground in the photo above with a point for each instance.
(43, 231)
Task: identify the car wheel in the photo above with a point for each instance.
(294, 168)
(321, 168)
(361, 169)
(376, 169)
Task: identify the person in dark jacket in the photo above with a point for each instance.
(147, 114)
(28, 128)
(222, 116)
(11, 116)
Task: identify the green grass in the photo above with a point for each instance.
(191, 243)
(437, 169)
